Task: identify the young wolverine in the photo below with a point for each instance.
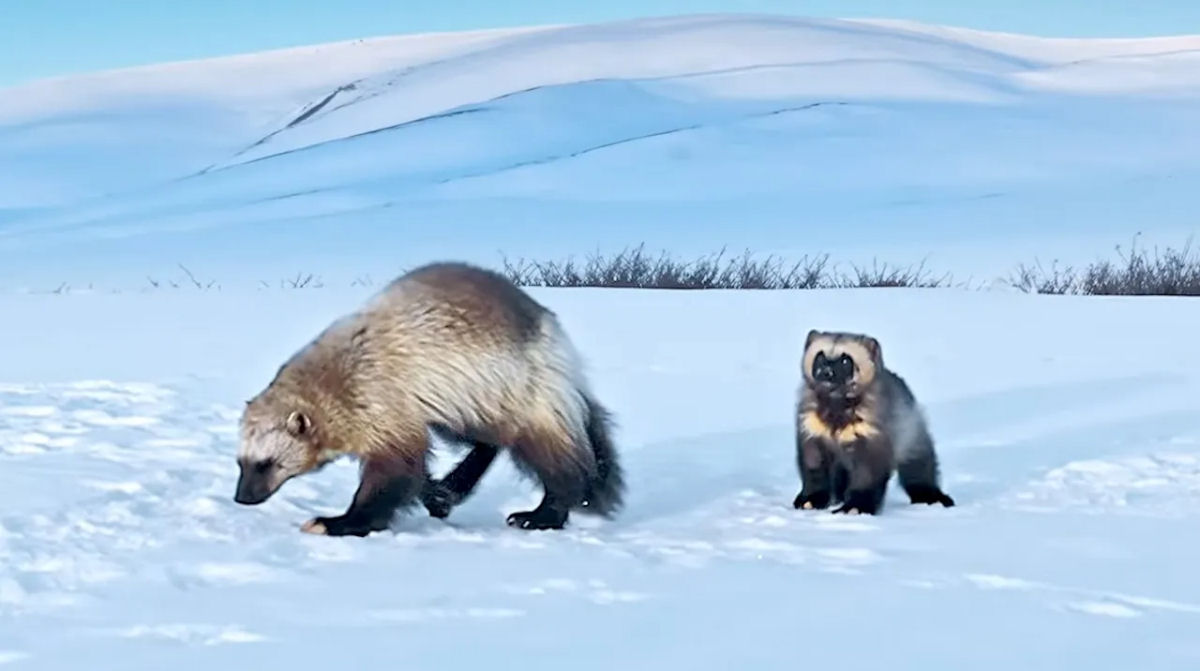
(447, 348)
(856, 422)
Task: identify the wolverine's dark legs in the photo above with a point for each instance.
(841, 481)
(813, 460)
(867, 500)
(928, 494)
(551, 513)
(869, 469)
(440, 496)
(388, 482)
(564, 469)
(918, 475)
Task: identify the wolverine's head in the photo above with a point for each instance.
(839, 364)
(278, 442)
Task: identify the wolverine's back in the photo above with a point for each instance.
(457, 298)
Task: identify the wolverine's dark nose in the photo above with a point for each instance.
(837, 371)
(823, 373)
(249, 492)
(254, 484)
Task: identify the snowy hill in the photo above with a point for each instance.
(868, 140)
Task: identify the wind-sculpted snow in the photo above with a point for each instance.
(867, 140)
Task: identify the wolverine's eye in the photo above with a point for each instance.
(845, 367)
(264, 466)
(251, 467)
(820, 367)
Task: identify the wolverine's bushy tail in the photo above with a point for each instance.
(607, 487)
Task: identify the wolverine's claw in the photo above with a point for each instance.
(341, 526)
(438, 499)
(819, 500)
(929, 494)
(535, 520)
(314, 526)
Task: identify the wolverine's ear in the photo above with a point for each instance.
(874, 348)
(812, 335)
(298, 424)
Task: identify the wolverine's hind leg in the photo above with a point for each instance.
(389, 481)
(563, 467)
(918, 475)
(440, 496)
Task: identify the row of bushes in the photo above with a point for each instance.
(1138, 272)
(636, 269)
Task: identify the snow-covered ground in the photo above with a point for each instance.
(1068, 427)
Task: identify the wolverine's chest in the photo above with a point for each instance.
(844, 427)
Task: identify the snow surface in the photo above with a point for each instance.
(1068, 427)
(864, 139)
(1073, 545)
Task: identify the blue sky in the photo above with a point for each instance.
(40, 38)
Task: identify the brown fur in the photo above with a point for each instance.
(842, 421)
(447, 346)
(845, 429)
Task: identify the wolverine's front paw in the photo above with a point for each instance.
(438, 499)
(858, 502)
(813, 501)
(536, 520)
(339, 526)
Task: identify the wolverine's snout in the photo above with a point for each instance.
(833, 372)
(254, 484)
